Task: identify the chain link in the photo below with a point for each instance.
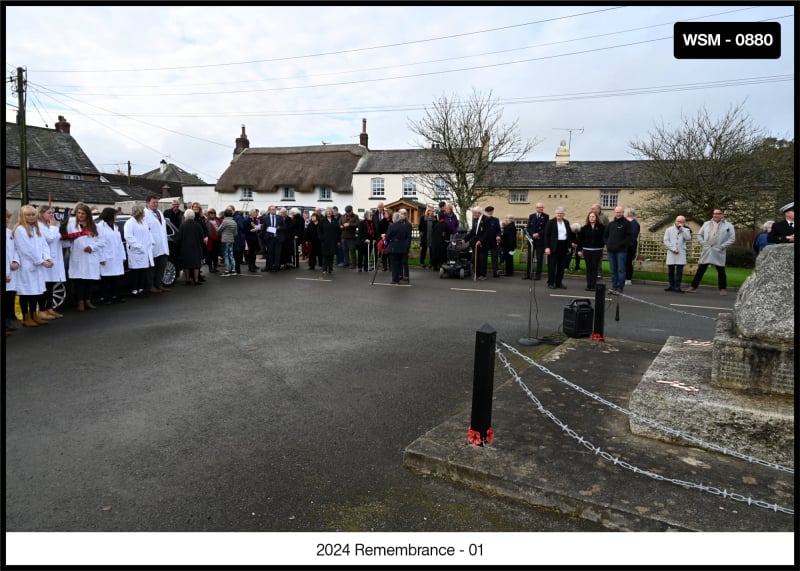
(616, 460)
(625, 295)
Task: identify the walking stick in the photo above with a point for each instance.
(376, 269)
(475, 264)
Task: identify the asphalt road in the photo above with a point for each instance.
(277, 402)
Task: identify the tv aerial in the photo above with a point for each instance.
(570, 129)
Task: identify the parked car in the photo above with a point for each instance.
(62, 292)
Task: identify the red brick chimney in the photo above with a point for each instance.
(241, 143)
(62, 126)
(364, 138)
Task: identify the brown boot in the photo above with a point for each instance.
(90, 305)
(37, 319)
(44, 315)
(53, 313)
(29, 322)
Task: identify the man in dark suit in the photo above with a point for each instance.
(494, 233)
(478, 237)
(537, 222)
(558, 237)
(381, 222)
(783, 232)
(273, 229)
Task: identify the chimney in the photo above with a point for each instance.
(485, 146)
(163, 166)
(562, 154)
(241, 144)
(364, 138)
(62, 126)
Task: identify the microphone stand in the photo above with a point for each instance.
(529, 340)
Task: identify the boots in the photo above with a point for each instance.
(44, 315)
(52, 312)
(90, 305)
(37, 319)
(29, 322)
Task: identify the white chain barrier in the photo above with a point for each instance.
(626, 296)
(616, 460)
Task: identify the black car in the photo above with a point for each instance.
(62, 292)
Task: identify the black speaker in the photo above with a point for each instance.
(578, 318)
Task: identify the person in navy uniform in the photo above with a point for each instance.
(493, 240)
(783, 232)
(537, 222)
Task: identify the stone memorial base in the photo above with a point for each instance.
(759, 425)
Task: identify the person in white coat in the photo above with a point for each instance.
(113, 268)
(139, 245)
(86, 256)
(12, 267)
(48, 225)
(675, 239)
(715, 237)
(158, 228)
(34, 256)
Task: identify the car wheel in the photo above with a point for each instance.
(170, 274)
(59, 294)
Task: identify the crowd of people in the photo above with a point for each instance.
(41, 251)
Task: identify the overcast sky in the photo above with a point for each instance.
(142, 84)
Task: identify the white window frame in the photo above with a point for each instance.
(378, 186)
(325, 193)
(72, 177)
(609, 199)
(247, 192)
(409, 188)
(287, 193)
(518, 197)
(440, 189)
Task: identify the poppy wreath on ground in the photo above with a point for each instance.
(474, 437)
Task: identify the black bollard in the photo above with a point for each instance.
(599, 312)
(480, 424)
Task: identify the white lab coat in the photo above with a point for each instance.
(675, 239)
(84, 265)
(53, 238)
(139, 243)
(159, 232)
(113, 250)
(11, 256)
(32, 252)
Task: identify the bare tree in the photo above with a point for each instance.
(705, 163)
(465, 138)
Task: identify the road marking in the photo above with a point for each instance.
(396, 285)
(702, 307)
(313, 279)
(465, 289)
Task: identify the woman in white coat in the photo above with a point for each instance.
(12, 267)
(48, 225)
(139, 243)
(113, 269)
(675, 238)
(34, 256)
(86, 256)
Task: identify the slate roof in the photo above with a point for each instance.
(173, 173)
(302, 168)
(92, 192)
(401, 161)
(153, 185)
(48, 150)
(576, 174)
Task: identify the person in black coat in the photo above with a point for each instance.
(294, 236)
(273, 233)
(382, 218)
(558, 239)
(439, 240)
(398, 235)
(189, 242)
(537, 222)
(328, 233)
(783, 232)
(479, 238)
(366, 239)
(252, 227)
(590, 248)
(311, 236)
(508, 242)
(493, 240)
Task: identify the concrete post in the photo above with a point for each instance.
(480, 426)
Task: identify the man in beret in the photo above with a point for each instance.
(783, 232)
(493, 241)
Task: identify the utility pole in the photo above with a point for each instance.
(23, 136)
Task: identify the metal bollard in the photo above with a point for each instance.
(480, 424)
(599, 312)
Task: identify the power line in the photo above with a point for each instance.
(352, 50)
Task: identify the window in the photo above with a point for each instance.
(247, 192)
(287, 193)
(119, 192)
(440, 189)
(325, 193)
(378, 191)
(409, 188)
(609, 198)
(518, 197)
(72, 177)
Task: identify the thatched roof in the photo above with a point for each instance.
(302, 168)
